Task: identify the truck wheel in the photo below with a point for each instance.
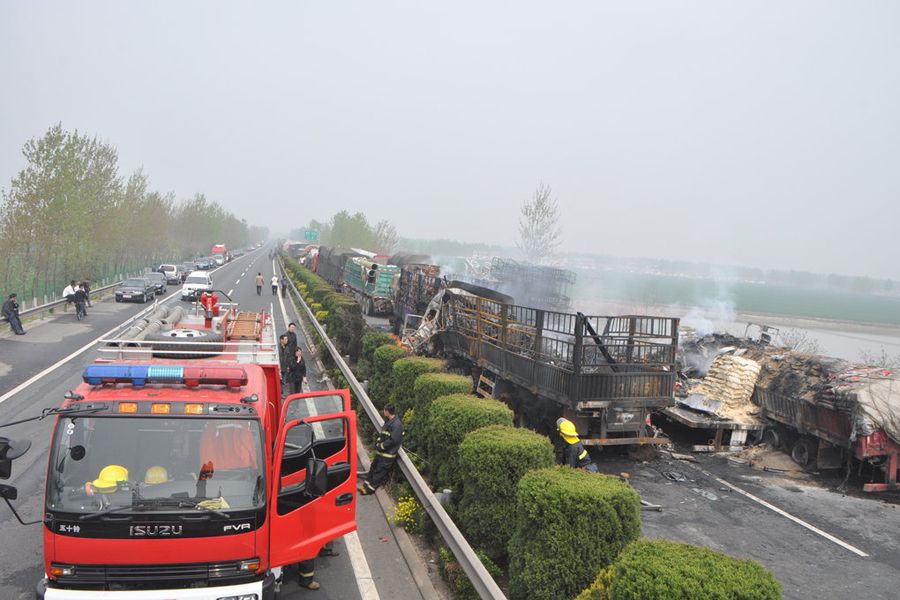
(773, 438)
(804, 453)
(186, 343)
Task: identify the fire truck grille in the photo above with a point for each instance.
(137, 577)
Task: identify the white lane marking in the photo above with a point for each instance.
(231, 291)
(364, 581)
(235, 283)
(796, 520)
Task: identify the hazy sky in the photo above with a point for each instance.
(759, 133)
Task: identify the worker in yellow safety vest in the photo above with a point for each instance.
(575, 454)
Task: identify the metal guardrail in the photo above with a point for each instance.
(481, 580)
(42, 308)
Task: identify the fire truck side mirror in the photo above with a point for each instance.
(316, 477)
(8, 492)
(10, 450)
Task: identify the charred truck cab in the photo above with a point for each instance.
(190, 478)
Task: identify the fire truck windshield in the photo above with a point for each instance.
(184, 464)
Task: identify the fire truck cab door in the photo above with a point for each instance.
(313, 499)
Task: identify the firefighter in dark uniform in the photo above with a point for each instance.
(386, 448)
(575, 454)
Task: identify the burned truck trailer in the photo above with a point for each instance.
(606, 374)
(827, 411)
(419, 282)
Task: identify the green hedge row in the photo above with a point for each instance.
(664, 570)
(380, 385)
(450, 419)
(569, 524)
(403, 379)
(343, 321)
(493, 459)
(371, 341)
(426, 388)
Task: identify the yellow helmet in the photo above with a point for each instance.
(109, 478)
(156, 474)
(566, 428)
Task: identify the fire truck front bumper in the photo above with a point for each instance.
(257, 590)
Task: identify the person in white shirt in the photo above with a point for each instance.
(69, 294)
(274, 285)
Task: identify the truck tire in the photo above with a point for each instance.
(177, 343)
(774, 438)
(804, 453)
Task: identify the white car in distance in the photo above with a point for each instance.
(195, 284)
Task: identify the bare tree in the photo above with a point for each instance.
(386, 237)
(799, 340)
(882, 360)
(539, 230)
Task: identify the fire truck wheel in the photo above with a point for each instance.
(186, 343)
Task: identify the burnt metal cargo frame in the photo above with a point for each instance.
(418, 284)
(603, 369)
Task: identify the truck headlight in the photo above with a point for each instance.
(58, 570)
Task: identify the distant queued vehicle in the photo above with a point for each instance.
(171, 273)
(202, 263)
(238, 252)
(159, 282)
(195, 284)
(187, 268)
(135, 289)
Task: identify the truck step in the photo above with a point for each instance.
(486, 382)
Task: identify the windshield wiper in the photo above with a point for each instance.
(136, 506)
(63, 412)
(144, 505)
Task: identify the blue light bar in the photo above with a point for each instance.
(136, 375)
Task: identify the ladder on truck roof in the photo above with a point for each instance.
(245, 326)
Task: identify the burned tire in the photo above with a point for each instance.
(774, 438)
(186, 343)
(804, 453)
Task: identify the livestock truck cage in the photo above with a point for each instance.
(418, 284)
(607, 374)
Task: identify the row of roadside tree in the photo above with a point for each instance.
(71, 214)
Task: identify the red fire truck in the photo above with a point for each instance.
(178, 471)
